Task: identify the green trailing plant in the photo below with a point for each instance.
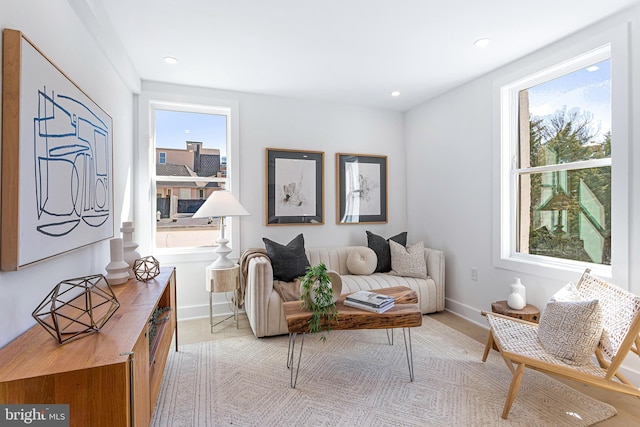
(316, 294)
(156, 319)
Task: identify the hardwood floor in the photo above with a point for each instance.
(628, 407)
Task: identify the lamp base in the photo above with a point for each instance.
(222, 251)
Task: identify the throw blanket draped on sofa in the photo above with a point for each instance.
(262, 294)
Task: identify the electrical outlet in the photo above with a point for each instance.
(474, 274)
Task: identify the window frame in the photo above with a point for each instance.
(148, 104)
(546, 65)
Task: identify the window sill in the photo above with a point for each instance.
(552, 268)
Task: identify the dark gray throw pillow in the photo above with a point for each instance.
(288, 261)
(380, 246)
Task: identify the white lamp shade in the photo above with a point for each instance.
(220, 204)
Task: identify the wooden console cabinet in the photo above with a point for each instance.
(109, 378)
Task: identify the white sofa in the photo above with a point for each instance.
(263, 304)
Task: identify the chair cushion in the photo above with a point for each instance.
(288, 261)
(571, 330)
(380, 246)
(362, 261)
(409, 261)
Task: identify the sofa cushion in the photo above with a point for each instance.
(408, 261)
(289, 261)
(380, 246)
(362, 261)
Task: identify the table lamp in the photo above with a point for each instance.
(221, 204)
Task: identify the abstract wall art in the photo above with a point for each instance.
(294, 187)
(361, 188)
(56, 160)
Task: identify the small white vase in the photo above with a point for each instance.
(517, 299)
(129, 246)
(117, 269)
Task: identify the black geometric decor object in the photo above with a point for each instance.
(146, 268)
(77, 307)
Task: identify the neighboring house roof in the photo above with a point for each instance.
(172, 170)
(209, 164)
(168, 184)
(180, 170)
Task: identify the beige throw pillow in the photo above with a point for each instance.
(362, 261)
(570, 329)
(409, 261)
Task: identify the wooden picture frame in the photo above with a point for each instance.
(57, 176)
(295, 190)
(361, 189)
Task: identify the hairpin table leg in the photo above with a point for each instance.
(290, 357)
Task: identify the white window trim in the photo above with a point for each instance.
(146, 207)
(552, 62)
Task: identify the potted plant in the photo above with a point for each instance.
(317, 294)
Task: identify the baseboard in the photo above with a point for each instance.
(467, 312)
(474, 315)
(202, 310)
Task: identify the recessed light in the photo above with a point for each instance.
(482, 42)
(395, 93)
(170, 60)
(593, 68)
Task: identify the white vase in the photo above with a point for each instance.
(129, 246)
(517, 299)
(117, 269)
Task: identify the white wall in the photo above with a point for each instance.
(451, 161)
(55, 28)
(275, 122)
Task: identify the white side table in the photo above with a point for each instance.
(223, 280)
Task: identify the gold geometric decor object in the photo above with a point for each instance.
(146, 268)
(77, 307)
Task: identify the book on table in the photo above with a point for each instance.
(368, 307)
(371, 299)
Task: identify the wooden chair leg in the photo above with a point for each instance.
(488, 346)
(513, 390)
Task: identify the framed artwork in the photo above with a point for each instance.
(361, 188)
(295, 192)
(57, 179)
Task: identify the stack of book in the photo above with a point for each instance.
(370, 301)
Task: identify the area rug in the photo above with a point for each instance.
(357, 379)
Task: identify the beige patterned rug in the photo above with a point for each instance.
(357, 379)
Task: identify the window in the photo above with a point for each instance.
(556, 174)
(190, 146)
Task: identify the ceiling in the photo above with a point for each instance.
(346, 51)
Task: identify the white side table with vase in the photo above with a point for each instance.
(223, 280)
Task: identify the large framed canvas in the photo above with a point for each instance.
(295, 193)
(361, 188)
(57, 174)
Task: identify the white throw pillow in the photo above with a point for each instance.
(409, 261)
(569, 292)
(569, 328)
(362, 261)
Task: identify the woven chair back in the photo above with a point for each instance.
(620, 309)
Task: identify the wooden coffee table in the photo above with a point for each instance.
(404, 314)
